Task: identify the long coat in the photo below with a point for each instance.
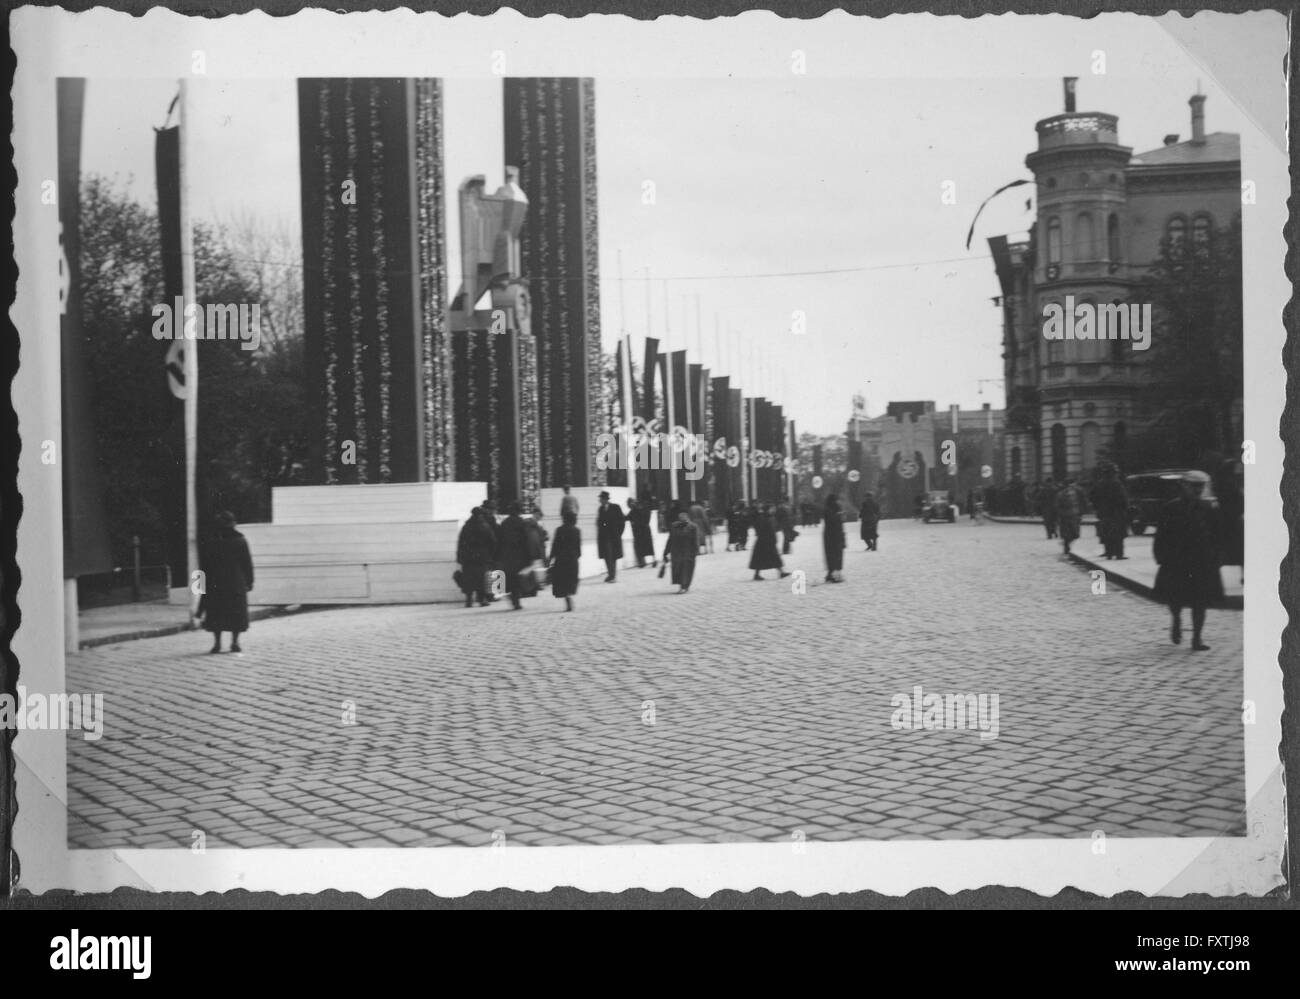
(833, 539)
(870, 514)
(566, 549)
(683, 548)
(1187, 551)
(1110, 500)
(475, 550)
(1069, 511)
(765, 554)
(516, 550)
(609, 531)
(643, 545)
(700, 518)
(228, 576)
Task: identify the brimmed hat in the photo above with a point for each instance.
(1194, 475)
(604, 495)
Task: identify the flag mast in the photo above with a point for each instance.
(189, 298)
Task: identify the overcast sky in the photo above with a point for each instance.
(763, 188)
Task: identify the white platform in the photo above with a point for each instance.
(385, 544)
(387, 503)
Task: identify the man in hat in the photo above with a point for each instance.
(1186, 548)
(1110, 501)
(609, 535)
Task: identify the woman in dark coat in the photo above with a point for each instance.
(737, 530)
(765, 554)
(227, 578)
(683, 549)
(516, 551)
(1110, 501)
(475, 549)
(566, 549)
(870, 514)
(1187, 551)
(833, 539)
(643, 544)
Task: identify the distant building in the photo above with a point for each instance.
(902, 452)
(1102, 216)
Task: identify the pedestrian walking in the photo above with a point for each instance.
(1186, 547)
(609, 535)
(568, 503)
(737, 529)
(227, 577)
(1069, 513)
(785, 524)
(1110, 501)
(765, 555)
(700, 518)
(516, 553)
(683, 549)
(1047, 506)
(643, 545)
(566, 550)
(475, 551)
(537, 535)
(870, 515)
(833, 539)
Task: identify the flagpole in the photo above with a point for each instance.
(626, 379)
(189, 297)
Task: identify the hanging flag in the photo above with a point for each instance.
(167, 166)
(1004, 187)
(85, 538)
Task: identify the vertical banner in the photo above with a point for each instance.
(720, 438)
(171, 452)
(695, 488)
(855, 465)
(681, 415)
(737, 473)
(85, 539)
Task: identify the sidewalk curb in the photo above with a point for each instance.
(1088, 521)
(1141, 589)
(176, 629)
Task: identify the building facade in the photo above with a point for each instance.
(1103, 216)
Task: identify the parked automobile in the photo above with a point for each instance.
(935, 505)
(1149, 491)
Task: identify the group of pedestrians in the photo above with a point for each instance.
(511, 552)
(744, 517)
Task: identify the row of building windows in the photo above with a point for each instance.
(1089, 446)
(1085, 238)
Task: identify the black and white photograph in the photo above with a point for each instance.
(816, 455)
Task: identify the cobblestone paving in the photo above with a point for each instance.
(771, 713)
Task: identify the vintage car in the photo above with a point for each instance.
(1149, 491)
(935, 505)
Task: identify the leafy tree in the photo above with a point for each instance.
(1195, 367)
(251, 432)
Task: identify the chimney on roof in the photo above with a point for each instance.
(1197, 101)
(1171, 138)
(1070, 81)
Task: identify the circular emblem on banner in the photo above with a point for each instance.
(854, 475)
(907, 468)
(733, 456)
(817, 482)
(987, 471)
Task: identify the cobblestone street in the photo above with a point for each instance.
(741, 711)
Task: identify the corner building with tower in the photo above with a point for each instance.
(1103, 214)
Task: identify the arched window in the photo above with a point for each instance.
(1085, 245)
(1115, 325)
(1112, 237)
(1015, 461)
(1059, 463)
(1053, 240)
(1176, 232)
(1089, 439)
